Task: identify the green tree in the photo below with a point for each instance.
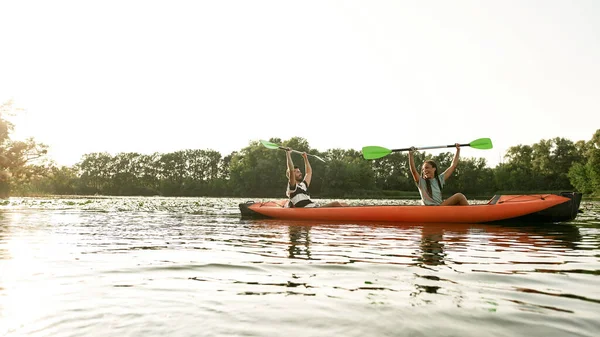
(173, 170)
(346, 174)
(256, 171)
(94, 173)
(51, 180)
(391, 173)
(16, 156)
(544, 166)
(585, 175)
(471, 178)
(517, 173)
(62, 180)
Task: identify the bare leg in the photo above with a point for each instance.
(456, 199)
(335, 204)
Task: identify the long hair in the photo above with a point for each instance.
(428, 181)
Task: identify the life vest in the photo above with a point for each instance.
(298, 194)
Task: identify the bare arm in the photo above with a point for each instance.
(413, 168)
(452, 167)
(307, 169)
(290, 167)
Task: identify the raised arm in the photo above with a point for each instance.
(411, 163)
(452, 167)
(290, 167)
(307, 169)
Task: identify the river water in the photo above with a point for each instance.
(192, 267)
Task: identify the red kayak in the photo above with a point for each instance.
(528, 207)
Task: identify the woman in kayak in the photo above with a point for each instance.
(430, 182)
(297, 189)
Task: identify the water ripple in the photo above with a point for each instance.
(190, 266)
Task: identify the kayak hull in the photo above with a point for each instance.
(530, 207)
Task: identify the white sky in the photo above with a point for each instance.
(162, 76)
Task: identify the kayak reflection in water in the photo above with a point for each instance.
(297, 189)
(431, 183)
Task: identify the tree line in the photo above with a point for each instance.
(551, 165)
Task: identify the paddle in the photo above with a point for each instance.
(273, 146)
(374, 152)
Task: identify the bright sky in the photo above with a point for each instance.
(162, 76)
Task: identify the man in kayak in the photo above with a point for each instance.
(430, 183)
(297, 189)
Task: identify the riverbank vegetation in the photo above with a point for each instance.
(551, 165)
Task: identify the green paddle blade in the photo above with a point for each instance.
(481, 143)
(374, 152)
(269, 145)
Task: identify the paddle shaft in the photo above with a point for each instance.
(295, 151)
(428, 147)
(274, 146)
(308, 154)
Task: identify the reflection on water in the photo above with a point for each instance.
(299, 242)
(432, 246)
(3, 234)
(432, 239)
(192, 267)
